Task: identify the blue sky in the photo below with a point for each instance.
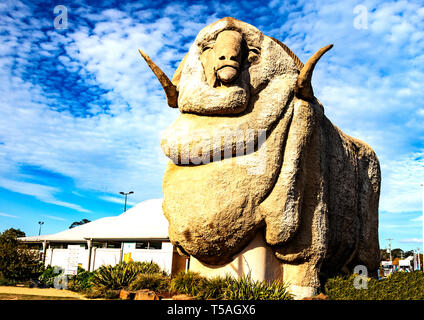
(81, 114)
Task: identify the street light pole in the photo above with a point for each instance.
(126, 194)
(390, 248)
(40, 223)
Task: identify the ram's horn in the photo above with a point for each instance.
(304, 85)
(169, 88)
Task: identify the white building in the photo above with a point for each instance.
(139, 234)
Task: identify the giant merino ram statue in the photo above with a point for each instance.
(252, 152)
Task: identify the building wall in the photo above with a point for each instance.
(57, 257)
(110, 256)
(104, 256)
(162, 257)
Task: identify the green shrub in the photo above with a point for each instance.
(147, 267)
(49, 274)
(213, 288)
(187, 283)
(81, 282)
(398, 286)
(122, 274)
(7, 282)
(116, 277)
(228, 288)
(248, 289)
(17, 261)
(155, 282)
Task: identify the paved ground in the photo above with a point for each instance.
(49, 292)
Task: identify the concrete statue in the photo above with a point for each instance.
(259, 181)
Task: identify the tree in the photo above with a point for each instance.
(79, 223)
(408, 253)
(11, 235)
(17, 262)
(397, 253)
(384, 255)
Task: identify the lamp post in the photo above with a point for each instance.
(40, 223)
(126, 194)
(390, 248)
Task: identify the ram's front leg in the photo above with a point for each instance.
(302, 279)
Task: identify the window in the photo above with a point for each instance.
(155, 245)
(98, 245)
(57, 245)
(114, 245)
(152, 245)
(142, 245)
(82, 245)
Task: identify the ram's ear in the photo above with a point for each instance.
(177, 75)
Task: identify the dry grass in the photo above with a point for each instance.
(8, 292)
(11, 296)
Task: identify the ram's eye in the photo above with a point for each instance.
(254, 54)
(206, 48)
(254, 50)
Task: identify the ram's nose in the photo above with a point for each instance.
(227, 74)
(228, 51)
(228, 70)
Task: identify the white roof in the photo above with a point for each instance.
(143, 221)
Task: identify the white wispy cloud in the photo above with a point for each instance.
(55, 218)
(401, 188)
(370, 82)
(117, 200)
(41, 192)
(420, 218)
(411, 240)
(8, 215)
(110, 150)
